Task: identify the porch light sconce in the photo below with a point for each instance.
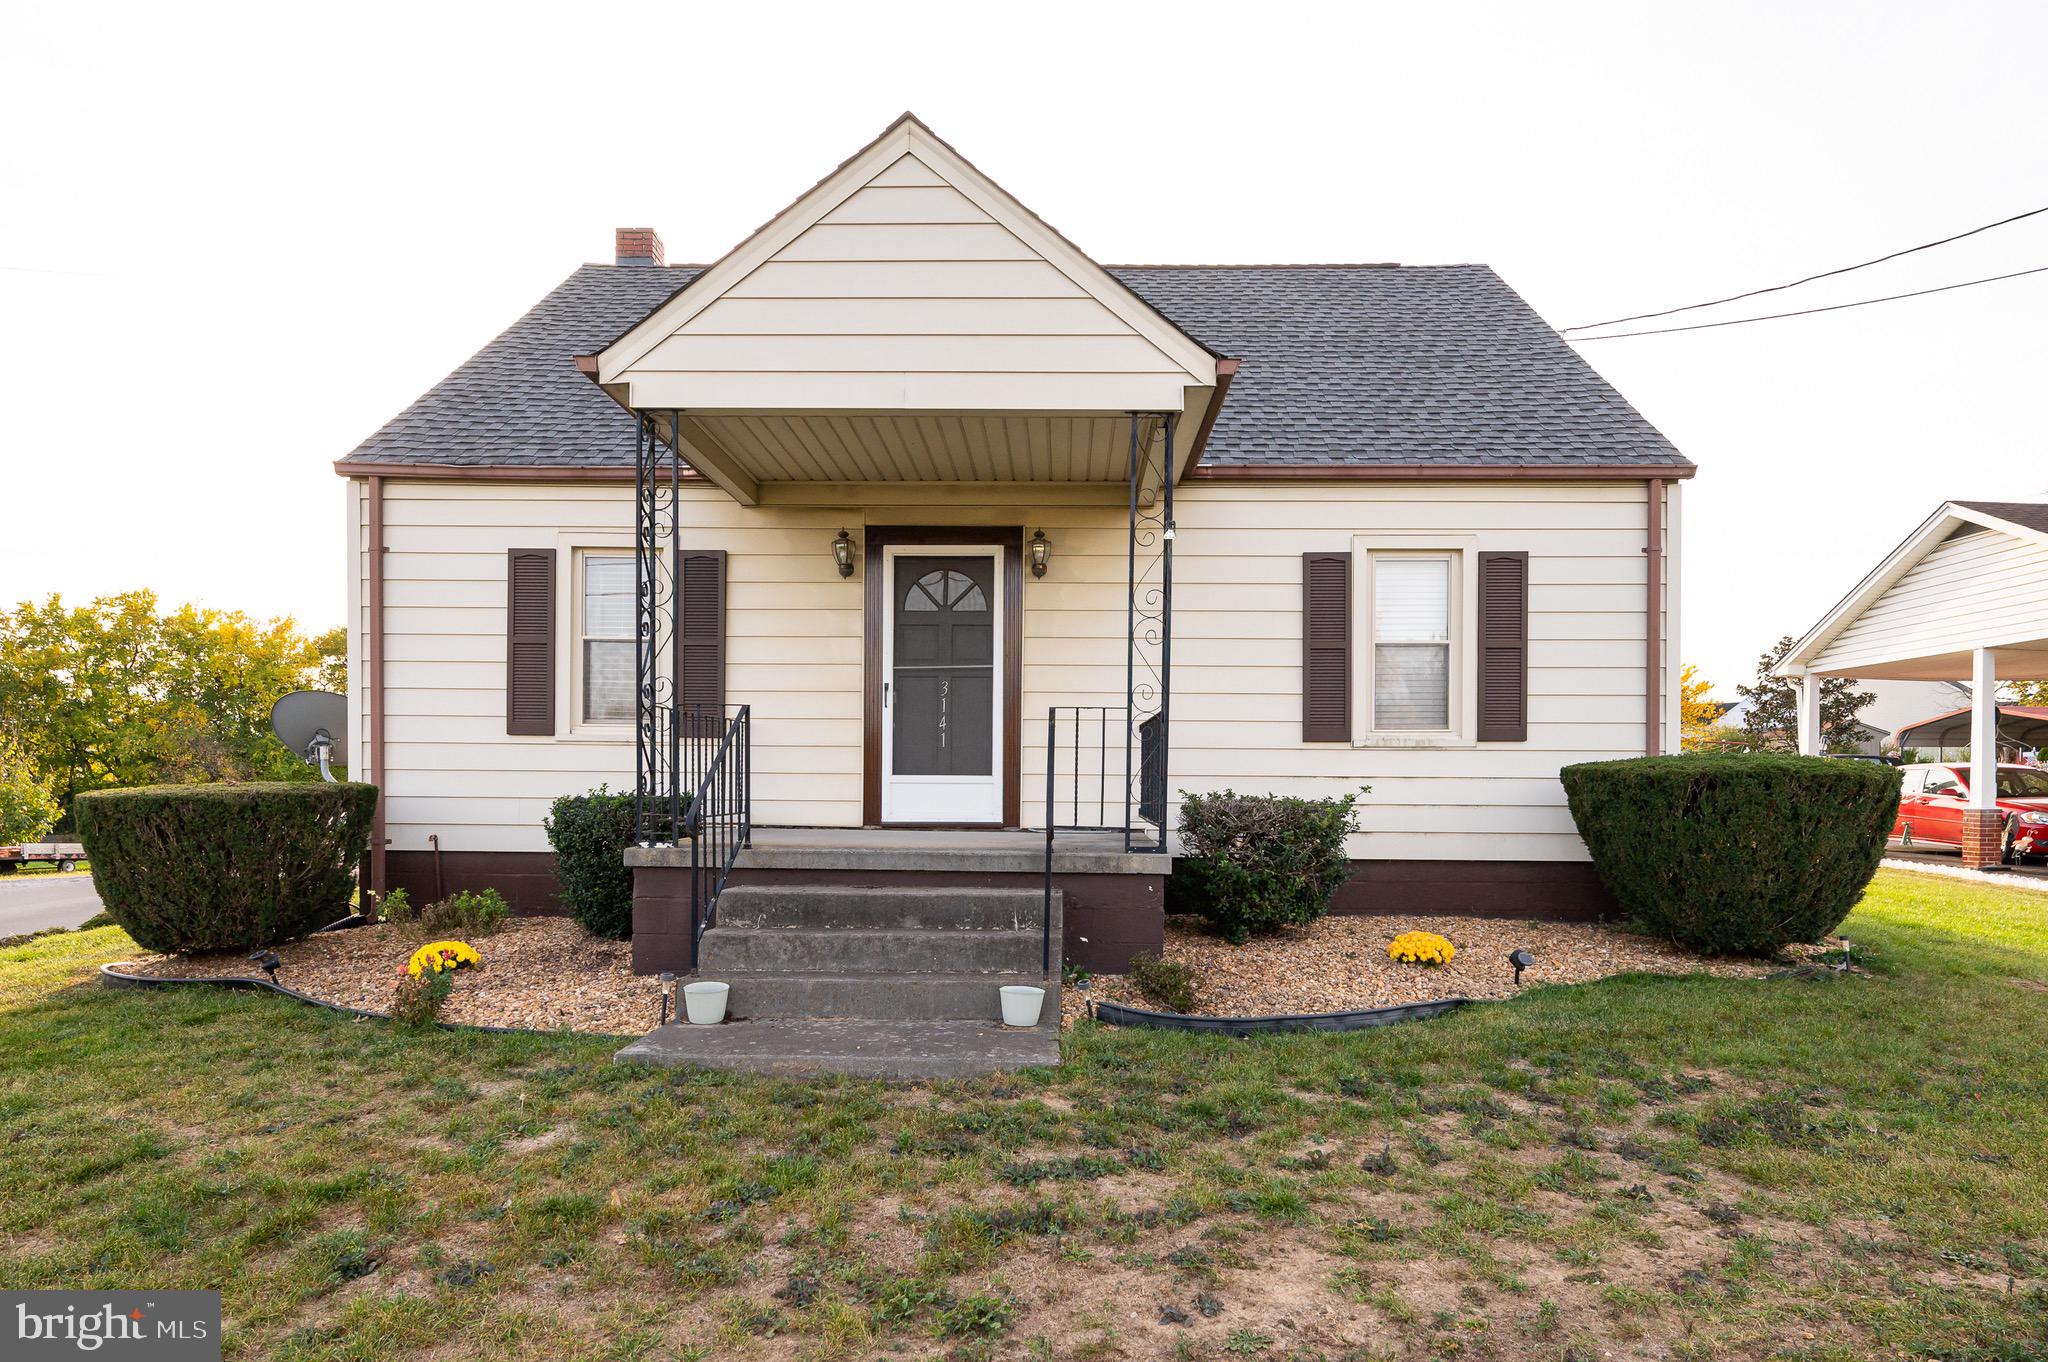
(842, 553)
(1041, 552)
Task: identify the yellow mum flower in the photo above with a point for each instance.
(1421, 948)
(442, 955)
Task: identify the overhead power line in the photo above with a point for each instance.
(1807, 311)
(1825, 274)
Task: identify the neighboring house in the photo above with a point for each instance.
(1409, 539)
(1965, 597)
(1899, 703)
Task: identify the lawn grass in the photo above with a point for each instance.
(1825, 1168)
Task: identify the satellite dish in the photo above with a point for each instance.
(312, 723)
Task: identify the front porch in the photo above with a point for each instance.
(1095, 904)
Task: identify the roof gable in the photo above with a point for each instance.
(1958, 529)
(906, 279)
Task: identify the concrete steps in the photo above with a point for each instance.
(881, 953)
(919, 996)
(866, 950)
(832, 907)
(869, 1049)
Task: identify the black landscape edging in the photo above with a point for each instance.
(114, 978)
(1117, 1014)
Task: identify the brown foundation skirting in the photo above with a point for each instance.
(1553, 891)
(525, 878)
(1109, 918)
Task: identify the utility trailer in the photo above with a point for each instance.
(63, 855)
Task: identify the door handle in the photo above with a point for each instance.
(885, 695)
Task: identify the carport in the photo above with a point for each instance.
(1964, 598)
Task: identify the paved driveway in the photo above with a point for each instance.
(29, 903)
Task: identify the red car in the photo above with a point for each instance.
(1932, 799)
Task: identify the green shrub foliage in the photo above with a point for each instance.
(1164, 982)
(226, 867)
(463, 913)
(590, 834)
(1253, 864)
(418, 999)
(1740, 854)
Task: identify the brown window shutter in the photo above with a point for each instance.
(530, 642)
(1503, 647)
(700, 633)
(1326, 647)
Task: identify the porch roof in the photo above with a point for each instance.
(1973, 576)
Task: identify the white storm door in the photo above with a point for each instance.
(942, 680)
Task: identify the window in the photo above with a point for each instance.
(605, 622)
(944, 587)
(1942, 781)
(2014, 783)
(1411, 642)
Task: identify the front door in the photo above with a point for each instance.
(942, 679)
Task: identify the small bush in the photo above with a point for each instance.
(590, 834)
(1734, 854)
(466, 912)
(396, 906)
(1252, 864)
(418, 999)
(226, 867)
(463, 913)
(1170, 985)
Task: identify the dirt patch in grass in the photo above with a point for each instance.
(539, 973)
(1341, 963)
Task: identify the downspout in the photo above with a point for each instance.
(374, 650)
(1653, 668)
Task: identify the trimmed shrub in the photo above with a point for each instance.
(1253, 864)
(226, 867)
(1169, 985)
(1736, 854)
(590, 834)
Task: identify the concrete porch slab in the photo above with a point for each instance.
(996, 851)
(863, 1048)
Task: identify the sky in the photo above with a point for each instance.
(235, 239)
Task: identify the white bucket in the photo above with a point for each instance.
(1022, 1004)
(705, 1003)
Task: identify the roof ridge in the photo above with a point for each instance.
(1275, 265)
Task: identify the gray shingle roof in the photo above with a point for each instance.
(2032, 514)
(1340, 364)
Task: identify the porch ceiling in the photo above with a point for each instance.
(2023, 661)
(742, 451)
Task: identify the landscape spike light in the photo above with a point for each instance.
(267, 961)
(1521, 960)
(668, 993)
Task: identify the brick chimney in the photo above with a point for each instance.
(638, 246)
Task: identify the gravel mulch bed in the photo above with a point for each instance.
(1340, 964)
(539, 973)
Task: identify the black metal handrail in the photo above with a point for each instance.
(719, 821)
(1097, 737)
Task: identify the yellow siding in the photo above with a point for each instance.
(795, 652)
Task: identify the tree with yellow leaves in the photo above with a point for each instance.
(1699, 719)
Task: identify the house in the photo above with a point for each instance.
(1963, 598)
(905, 530)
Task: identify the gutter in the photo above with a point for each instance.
(1426, 472)
(374, 650)
(1653, 666)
